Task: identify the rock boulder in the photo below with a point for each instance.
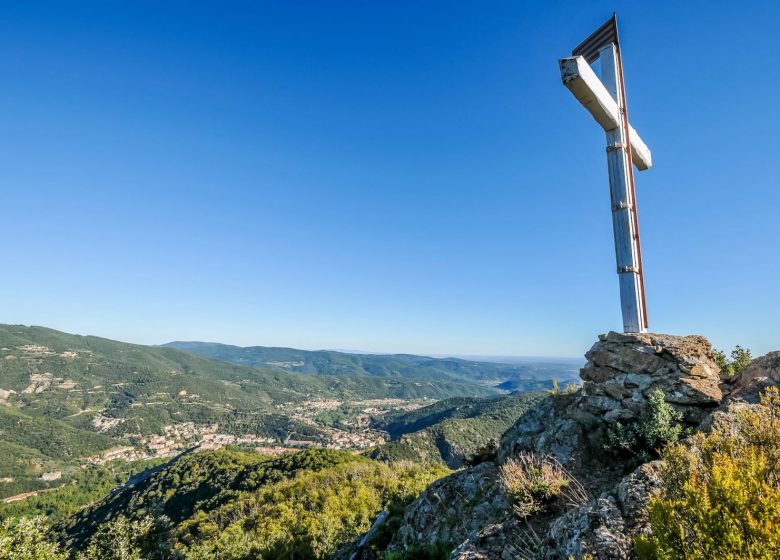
(623, 369)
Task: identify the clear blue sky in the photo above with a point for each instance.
(383, 176)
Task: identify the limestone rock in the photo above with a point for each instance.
(766, 366)
(454, 509)
(623, 369)
(604, 528)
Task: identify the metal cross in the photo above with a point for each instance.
(605, 99)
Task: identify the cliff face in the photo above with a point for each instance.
(471, 510)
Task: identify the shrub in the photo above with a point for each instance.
(534, 481)
(740, 359)
(720, 496)
(305, 517)
(556, 388)
(119, 539)
(657, 427)
(27, 539)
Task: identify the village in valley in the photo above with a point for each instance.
(356, 432)
(338, 424)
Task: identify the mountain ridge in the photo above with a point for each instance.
(66, 400)
(531, 375)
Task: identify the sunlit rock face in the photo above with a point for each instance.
(767, 366)
(623, 369)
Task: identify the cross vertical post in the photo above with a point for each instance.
(605, 100)
(623, 200)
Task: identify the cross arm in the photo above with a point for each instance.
(579, 78)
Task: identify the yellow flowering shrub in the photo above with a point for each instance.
(720, 497)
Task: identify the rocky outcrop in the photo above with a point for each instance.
(623, 369)
(601, 529)
(604, 528)
(746, 391)
(470, 510)
(766, 366)
(621, 372)
(454, 509)
(493, 542)
(553, 427)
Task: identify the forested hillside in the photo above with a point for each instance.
(452, 431)
(530, 375)
(163, 453)
(233, 505)
(68, 400)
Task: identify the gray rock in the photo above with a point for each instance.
(631, 366)
(604, 528)
(469, 509)
(766, 366)
(546, 430)
(454, 509)
(597, 374)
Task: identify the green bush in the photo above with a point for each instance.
(740, 359)
(308, 516)
(27, 539)
(720, 496)
(657, 426)
(120, 539)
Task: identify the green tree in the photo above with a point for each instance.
(307, 517)
(119, 539)
(27, 539)
(740, 359)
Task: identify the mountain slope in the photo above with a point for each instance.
(527, 376)
(452, 431)
(66, 398)
(232, 505)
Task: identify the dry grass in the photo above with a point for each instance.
(534, 481)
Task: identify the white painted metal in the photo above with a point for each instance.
(578, 76)
(623, 203)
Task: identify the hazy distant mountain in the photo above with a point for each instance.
(527, 375)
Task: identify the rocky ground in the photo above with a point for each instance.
(471, 510)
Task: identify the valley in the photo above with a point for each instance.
(111, 450)
(72, 403)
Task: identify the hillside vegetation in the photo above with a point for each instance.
(452, 431)
(562, 484)
(720, 496)
(65, 399)
(234, 505)
(516, 377)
